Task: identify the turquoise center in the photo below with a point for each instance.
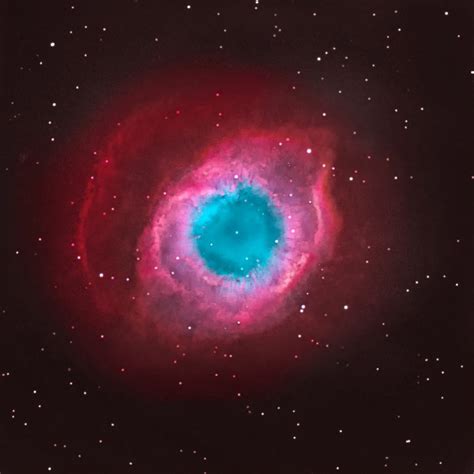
(236, 232)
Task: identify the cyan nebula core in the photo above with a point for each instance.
(236, 232)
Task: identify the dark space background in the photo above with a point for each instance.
(398, 404)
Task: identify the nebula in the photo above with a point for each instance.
(207, 209)
(174, 266)
(236, 231)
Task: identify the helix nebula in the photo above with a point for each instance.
(236, 237)
(208, 218)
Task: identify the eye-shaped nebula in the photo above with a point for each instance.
(234, 235)
(206, 225)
